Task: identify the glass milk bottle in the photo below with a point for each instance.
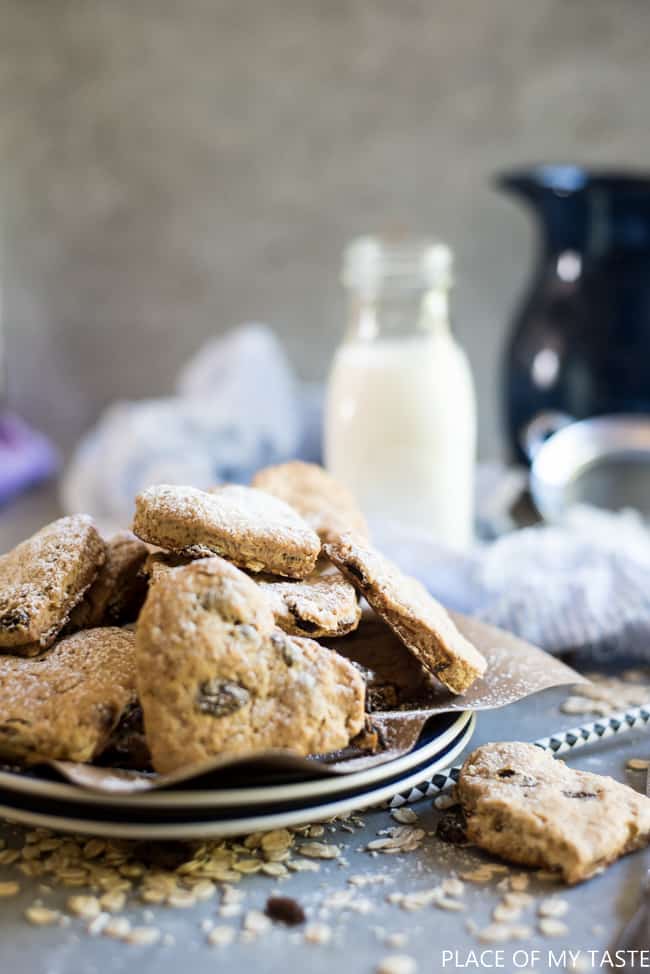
(400, 423)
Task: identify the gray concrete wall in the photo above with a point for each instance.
(168, 169)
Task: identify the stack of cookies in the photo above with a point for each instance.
(228, 590)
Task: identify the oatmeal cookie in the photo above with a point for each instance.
(522, 804)
(422, 624)
(117, 594)
(66, 703)
(322, 500)
(323, 604)
(238, 685)
(43, 579)
(248, 527)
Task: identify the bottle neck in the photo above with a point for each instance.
(398, 314)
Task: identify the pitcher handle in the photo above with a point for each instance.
(535, 433)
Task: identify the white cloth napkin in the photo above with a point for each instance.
(584, 584)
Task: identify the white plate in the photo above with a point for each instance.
(204, 829)
(428, 747)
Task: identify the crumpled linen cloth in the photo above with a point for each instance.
(580, 585)
(584, 584)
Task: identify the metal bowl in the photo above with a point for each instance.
(603, 461)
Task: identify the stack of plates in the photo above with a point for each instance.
(184, 813)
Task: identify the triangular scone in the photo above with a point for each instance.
(526, 806)
(117, 594)
(323, 501)
(67, 703)
(216, 677)
(43, 579)
(423, 625)
(246, 526)
(323, 604)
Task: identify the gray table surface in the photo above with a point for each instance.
(597, 909)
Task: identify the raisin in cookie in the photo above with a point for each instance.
(216, 677)
(415, 616)
(117, 594)
(246, 526)
(528, 807)
(43, 579)
(324, 503)
(323, 604)
(67, 703)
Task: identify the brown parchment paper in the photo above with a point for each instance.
(516, 669)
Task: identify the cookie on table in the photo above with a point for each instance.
(43, 579)
(323, 604)
(422, 624)
(522, 804)
(322, 500)
(247, 526)
(238, 685)
(66, 703)
(117, 594)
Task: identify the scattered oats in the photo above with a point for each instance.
(9, 889)
(552, 907)
(181, 899)
(256, 922)
(230, 910)
(92, 848)
(501, 933)
(369, 879)
(395, 940)
(117, 928)
(275, 869)
(402, 838)
(315, 831)
(143, 936)
(406, 816)
(519, 882)
(96, 926)
(86, 907)
(207, 925)
(517, 900)
(445, 801)
(229, 894)
(551, 927)
(397, 964)
(319, 850)
(484, 873)
(577, 705)
(221, 936)
(447, 903)
(168, 940)
(113, 901)
(248, 866)
(303, 866)
(276, 841)
(318, 933)
(204, 889)
(40, 916)
(598, 930)
(638, 764)
(452, 886)
(503, 913)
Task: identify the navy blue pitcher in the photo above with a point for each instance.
(580, 340)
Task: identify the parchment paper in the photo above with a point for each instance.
(516, 669)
